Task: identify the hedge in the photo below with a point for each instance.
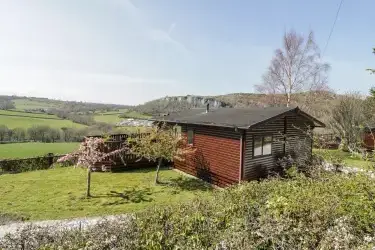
(29, 164)
(322, 211)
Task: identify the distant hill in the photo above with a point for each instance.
(42, 104)
(315, 103)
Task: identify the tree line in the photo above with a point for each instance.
(45, 133)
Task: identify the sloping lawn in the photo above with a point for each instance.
(59, 193)
(31, 149)
(348, 159)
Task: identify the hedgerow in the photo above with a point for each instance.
(321, 211)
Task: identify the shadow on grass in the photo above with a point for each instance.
(128, 196)
(189, 184)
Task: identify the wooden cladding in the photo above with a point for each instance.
(289, 137)
(217, 159)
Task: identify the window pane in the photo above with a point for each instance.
(257, 146)
(190, 135)
(178, 130)
(267, 148)
(267, 145)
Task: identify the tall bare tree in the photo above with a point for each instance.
(296, 67)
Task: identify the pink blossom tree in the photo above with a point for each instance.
(91, 152)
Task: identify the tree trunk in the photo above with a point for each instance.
(288, 99)
(157, 170)
(88, 182)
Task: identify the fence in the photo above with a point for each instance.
(125, 160)
(328, 141)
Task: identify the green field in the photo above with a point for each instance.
(25, 150)
(113, 117)
(108, 118)
(26, 114)
(22, 104)
(13, 119)
(59, 193)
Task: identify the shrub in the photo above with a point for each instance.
(324, 211)
(31, 164)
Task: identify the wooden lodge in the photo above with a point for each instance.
(236, 145)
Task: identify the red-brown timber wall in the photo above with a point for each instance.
(217, 159)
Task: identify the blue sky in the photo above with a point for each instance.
(129, 52)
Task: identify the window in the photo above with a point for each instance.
(190, 136)
(262, 145)
(177, 130)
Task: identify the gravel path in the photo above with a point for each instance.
(63, 224)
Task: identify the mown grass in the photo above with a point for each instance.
(347, 158)
(13, 119)
(59, 193)
(25, 150)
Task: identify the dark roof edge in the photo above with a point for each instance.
(321, 124)
(195, 123)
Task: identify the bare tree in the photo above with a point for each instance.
(348, 120)
(295, 68)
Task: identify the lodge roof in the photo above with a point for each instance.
(242, 118)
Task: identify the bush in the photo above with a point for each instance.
(324, 211)
(30, 164)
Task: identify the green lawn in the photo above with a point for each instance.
(13, 119)
(347, 158)
(59, 193)
(25, 150)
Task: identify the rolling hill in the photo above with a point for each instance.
(18, 119)
(316, 103)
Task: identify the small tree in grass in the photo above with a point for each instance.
(91, 152)
(160, 143)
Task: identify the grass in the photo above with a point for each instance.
(133, 114)
(59, 193)
(25, 150)
(348, 159)
(21, 113)
(22, 104)
(113, 117)
(25, 120)
(108, 118)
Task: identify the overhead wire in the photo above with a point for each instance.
(333, 26)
